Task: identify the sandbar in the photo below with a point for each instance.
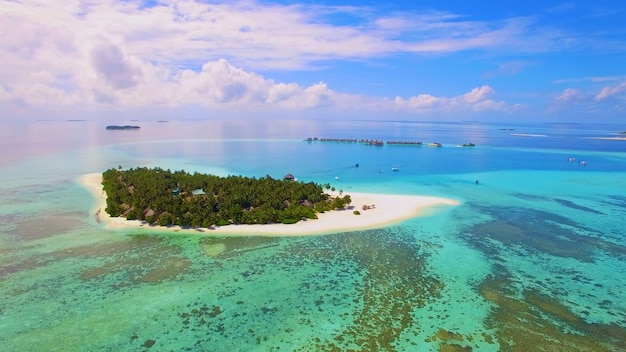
(382, 210)
(610, 138)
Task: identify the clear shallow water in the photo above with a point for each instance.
(533, 258)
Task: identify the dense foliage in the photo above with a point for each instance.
(163, 197)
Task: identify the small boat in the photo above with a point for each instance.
(434, 144)
(468, 145)
(395, 169)
(336, 177)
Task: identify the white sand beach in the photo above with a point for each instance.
(610, 138)
(384, 209)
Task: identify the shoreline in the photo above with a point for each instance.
(619, 138)
(385, 210)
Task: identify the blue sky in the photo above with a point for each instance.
(421, 60)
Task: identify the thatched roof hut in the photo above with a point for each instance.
(148, 212)
(290, 177)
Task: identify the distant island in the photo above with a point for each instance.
(162, 197)
(124, 127)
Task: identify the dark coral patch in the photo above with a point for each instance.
(394, 285)
(573, 205)
(541, 231)
(536, 322)
(144, 259)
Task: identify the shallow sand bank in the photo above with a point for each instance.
(610, 138)
(385, 209)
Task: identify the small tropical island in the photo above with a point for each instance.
(163, 197)
(124, 127)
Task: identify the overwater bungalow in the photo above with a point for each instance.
(405, 142)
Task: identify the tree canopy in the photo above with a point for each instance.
(164, 197)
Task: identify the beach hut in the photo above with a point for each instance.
(198, 192)
(289, 177)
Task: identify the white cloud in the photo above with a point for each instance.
(104, 53)
(571, 95)
(508, 69)
(180, 32)
(576, 98)
(219, 82)
(477, 94)
(490, 105)
(281, 92)
(112, 65)
(595, 79)
(611, 91)
(419, 102)
(475, 100)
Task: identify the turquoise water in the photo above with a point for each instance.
(532, 260)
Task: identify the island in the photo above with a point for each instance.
(124, 127)
(621, 136)
(164, 197)
(375, 211)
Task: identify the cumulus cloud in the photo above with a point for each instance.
(179, 53)
(608, 98)
(475, 100)
(611, 91)
(571, 95)
(419, 102)
(477, 94)
(219, 82)
(113, 65)
(196, 31)
(576, 98)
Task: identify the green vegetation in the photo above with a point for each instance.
(162, 197)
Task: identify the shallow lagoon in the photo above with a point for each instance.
(533, 259)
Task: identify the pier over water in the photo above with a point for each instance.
(375, 142)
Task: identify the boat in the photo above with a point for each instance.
(434, 144)
(395, 169)
(468, 145)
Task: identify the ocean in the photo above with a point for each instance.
(533, 258)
